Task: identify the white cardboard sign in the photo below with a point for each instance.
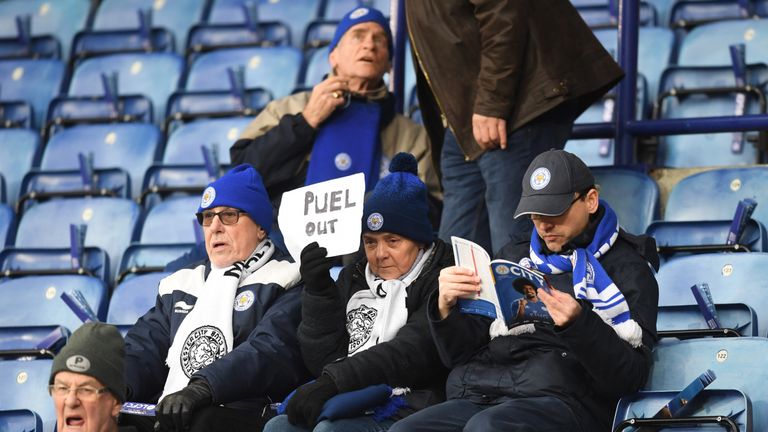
(329, 213)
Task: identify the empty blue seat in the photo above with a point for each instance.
(735, 316)
(16, 114)
(714, 195)
(316, 68)
(730, 276)
(208, 37)
(49, 338)
(66, 111)
(33, 81)
(336, 9)
(25, 386)
(36, 300)
(168, 180)
(110, 222)
(93, 43)
(17, 261)
(678, 238)
(633, 194)
(171, 221)
(18, 148)
(601, 16)
(154, 75)
(7, 224)
(20, 420)
(737, 363)
(275, 69)
(42, 185)
(689, 13)
(707, 45)
(184, 143)
(319, 33)
(133, 298)
(176, 16)
(184, 105)
(130, 146)
(35, 47)
(150, 258)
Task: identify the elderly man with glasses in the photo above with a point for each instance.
(220, 343)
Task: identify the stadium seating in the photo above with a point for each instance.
(25, 386)
(707, 45)
(275, 69)
(20, 420)
(26, 340)
(140, 259)
(184, 143)
(133, 298)
(19, 261)
(170, 221)
(689, 13)
(16, 114)
(18, 148)
(336, 9)
(33, 81)
(7, 224)
(632, 194)
(686, 320)
(316, 67)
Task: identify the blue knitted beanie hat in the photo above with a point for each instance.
(398, 203)
(240, 188)
(362, 15)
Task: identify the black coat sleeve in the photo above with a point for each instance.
(459, 336)
(146, 347)
(322, 332)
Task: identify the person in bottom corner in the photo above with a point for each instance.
(220, 343)
(565, 376)
(370, 327)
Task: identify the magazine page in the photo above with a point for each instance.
(470, 255)
(516, 290)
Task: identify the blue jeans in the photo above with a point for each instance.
(539, 414)
(357, 424)
(480, 196)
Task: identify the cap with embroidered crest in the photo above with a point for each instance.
(550, 182)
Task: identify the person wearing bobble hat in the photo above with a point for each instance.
(87, 383)
(220, 343)
(370, 326)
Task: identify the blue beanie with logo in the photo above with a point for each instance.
(240, 188)
(361, 15)
(398, 203)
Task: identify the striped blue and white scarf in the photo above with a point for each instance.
(590, 281)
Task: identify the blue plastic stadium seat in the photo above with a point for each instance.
(738, 364)
(336, 9)
(634, 196)
(36, 300)
(275, 69)
(316, 67)
(33, 81)
(208, 37)
(17, 152)
(688, 13)
(133, 298)
(47, 337)
(100, 42)
(319, 33)
(176, 16)
(25, 386)
(735, 316)
(155, 75)
(36, 47)
(7, 224)
(16, 261)
(600, 16)
(707, 45)
(678, 238)
(183, 105)
(151, 258)
(714, 195)
(171, 221)
(295, 13)
(730, 276)
(131, 146)
(20, 420)
(184, 143)
(40, 185)
(110, 221)
(16, 114)
(60, 18)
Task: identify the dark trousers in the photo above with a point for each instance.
(212, 418)
(539, 414)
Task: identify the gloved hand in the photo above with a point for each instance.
(174, 412)
(304, 407)
(314, 268)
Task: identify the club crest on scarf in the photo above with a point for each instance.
(202, 347)
(359, 326)
(342, 161)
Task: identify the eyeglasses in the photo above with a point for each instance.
(227, 217)
(85, 393)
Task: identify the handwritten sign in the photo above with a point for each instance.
(328, 213)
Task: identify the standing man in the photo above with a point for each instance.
(508, 78)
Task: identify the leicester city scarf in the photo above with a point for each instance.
(590, 281)
(348, 142)
(205, 335)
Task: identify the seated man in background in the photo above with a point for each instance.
(565, 373)
(220, 343)
(345, 125)
(87, 383)
(370, 327)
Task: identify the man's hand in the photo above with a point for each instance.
(562, 307)
(490, 132)
(305, 405)
(325, 98)
(454, 283)
(174, 412)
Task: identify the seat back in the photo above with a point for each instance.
(171, 221)
(7, 224)
(714, 195)
(50, 337)
(36, 300)
(707, 45)
(25, 386)
(632, 194)
(735, 316)
(133, 298)
(110, 222)
(15, 261)
(34, 81)
(20, 420)
(274, 68)
(185, 142)
(730, 277)
(150, 258)
(316, 68)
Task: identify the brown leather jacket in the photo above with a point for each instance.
(511, 59)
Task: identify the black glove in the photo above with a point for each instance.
(174, 412)
(314, 268)
(304, 407)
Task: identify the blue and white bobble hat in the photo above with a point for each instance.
(358, 16)
(398, 203)
(240, 188)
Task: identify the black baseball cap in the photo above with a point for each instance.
(550, 182)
